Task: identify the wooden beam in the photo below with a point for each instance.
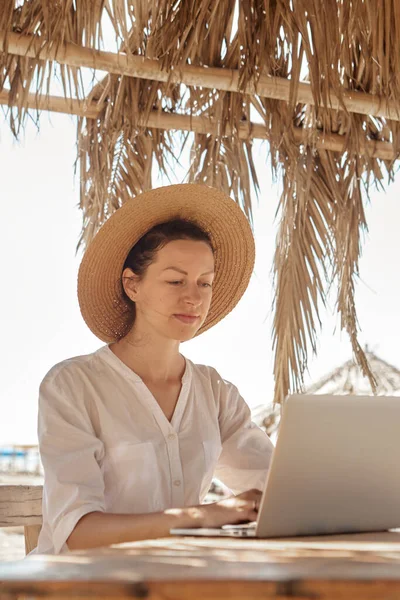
(69, 106)
(207, 77)
(168, 121)
(20, 505)
(327, 141)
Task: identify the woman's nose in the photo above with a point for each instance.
(193, 296)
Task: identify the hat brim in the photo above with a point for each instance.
(100, 293)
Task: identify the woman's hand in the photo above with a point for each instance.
(233, 510)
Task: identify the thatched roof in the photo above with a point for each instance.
(319, 79)
(347, 379)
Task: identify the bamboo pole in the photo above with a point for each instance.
(58, 104)
(327, 141)
(208, 77)
(168, 121)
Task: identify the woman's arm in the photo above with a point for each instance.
(246, 449)
(103, 529)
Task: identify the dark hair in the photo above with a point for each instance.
(144, 251)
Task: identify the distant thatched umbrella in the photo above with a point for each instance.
(320, 79)
(347, 379)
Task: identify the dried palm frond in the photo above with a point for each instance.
(303, 250)
(117, 153)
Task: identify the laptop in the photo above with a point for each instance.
(335, 469)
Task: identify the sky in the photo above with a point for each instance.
(39, 314)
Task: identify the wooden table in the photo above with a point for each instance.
(337, 567)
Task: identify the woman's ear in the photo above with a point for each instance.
(130, 283)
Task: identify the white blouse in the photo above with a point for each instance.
(106, 445)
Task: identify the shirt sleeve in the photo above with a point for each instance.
(70, 454)
(246, 449)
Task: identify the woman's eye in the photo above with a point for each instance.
(204, 284)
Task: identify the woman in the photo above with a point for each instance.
(131, 435)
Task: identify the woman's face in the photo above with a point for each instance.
(174, 296)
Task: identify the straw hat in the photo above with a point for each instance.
(100, 292)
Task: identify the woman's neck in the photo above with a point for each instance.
(153, 360)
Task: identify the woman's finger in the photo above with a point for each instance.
(250, 495)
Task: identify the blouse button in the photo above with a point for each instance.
(171, 436)
(177, 482)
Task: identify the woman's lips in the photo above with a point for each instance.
(186, 318)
